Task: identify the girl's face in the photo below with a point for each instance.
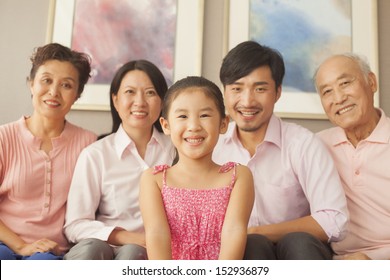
(137, 101)
(54, 89)
(194, 123)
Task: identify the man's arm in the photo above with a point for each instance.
(322, 186)
(276, 231)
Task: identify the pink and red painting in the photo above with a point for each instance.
(114, 32)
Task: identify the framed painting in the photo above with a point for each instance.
(166, 32)
(305, 32)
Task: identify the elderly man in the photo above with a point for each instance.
(360, 146)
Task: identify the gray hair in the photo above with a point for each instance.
(360, 60)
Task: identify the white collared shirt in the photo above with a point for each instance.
(294, 176)
(105, 186)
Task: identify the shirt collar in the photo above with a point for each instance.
(62, 139)
(123, 141)
(272, 135)
(381, 133)
(231, 134)
(274, 131)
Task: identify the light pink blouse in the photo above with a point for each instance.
(33, 185)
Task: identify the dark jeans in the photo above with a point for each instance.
(293, 246)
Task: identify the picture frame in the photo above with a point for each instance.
(307, 105)
(187, 50)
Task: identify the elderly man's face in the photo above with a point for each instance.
(346, 94)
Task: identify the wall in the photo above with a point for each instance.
(20, 31)
(384, 54)
(23, 26)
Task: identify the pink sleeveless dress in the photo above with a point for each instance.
(196, 217)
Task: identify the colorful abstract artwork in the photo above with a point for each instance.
(168, 33)
(304, 31)
(114, 32)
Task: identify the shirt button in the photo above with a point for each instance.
(47, 193)
(357, 172)
(46, 205)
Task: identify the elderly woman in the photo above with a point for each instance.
(37, 157)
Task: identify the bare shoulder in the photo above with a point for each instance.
(244, 177)
(244, 187)
(149, 178)
(243, 170)
(148, 172)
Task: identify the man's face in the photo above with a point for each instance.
(250, 100)
(346, 94)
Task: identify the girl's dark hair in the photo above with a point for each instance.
(55, 51)
(210, 89)
(154, 75)
(246, 57)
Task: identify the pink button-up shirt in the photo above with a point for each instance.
(34, 185)
(365, 175)
(294, 176)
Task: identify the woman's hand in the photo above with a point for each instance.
(40, 246)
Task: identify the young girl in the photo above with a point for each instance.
(195, 209)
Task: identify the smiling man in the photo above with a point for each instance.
(360, 146)
(299, 202)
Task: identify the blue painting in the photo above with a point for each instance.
(304, 31)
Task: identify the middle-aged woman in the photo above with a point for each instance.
(103, 216)
(37, 157)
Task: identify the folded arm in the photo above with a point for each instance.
(276, 231)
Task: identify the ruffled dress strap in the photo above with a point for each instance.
(227, 167)
(161, 168)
